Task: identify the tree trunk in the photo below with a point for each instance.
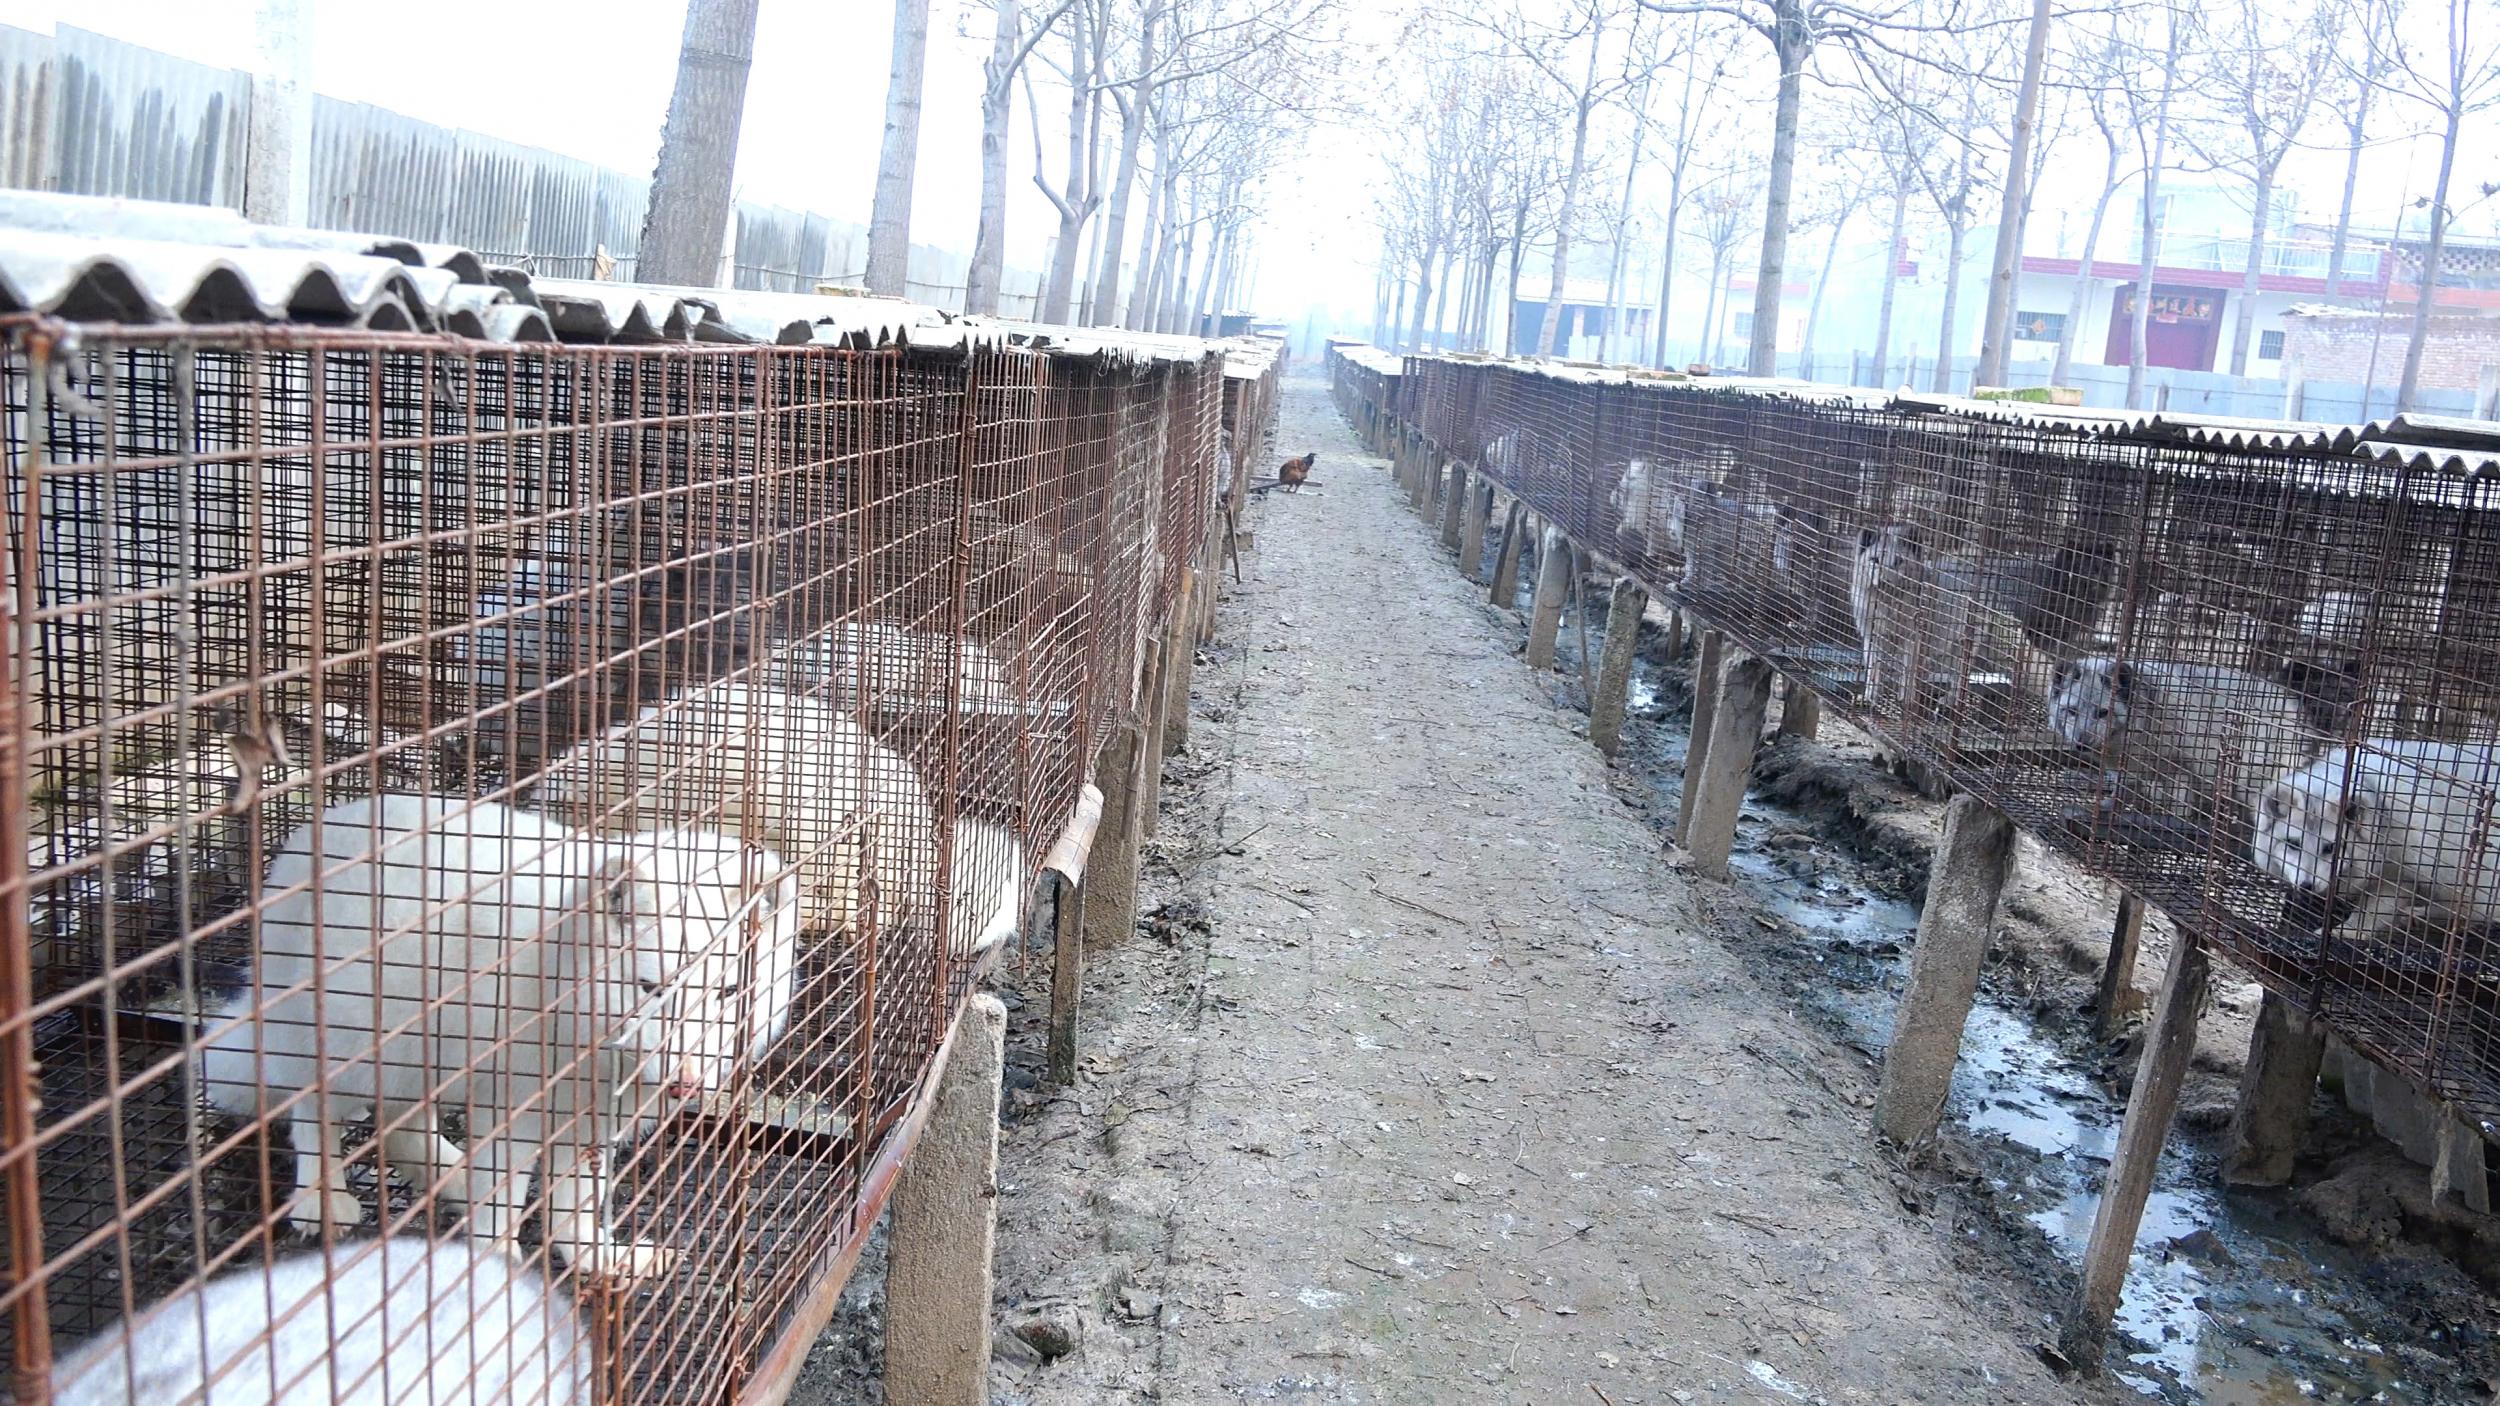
(1793, 44)
(1955, 229)
(1814, 305)
(1423, 298)
(1397, 314)
(1219, 254)
(688, 217)
(1155, 243)
(2075, 304)
(1102, 310)
(1076, 202)
(2356, 128)
(1510, 313)
(889, 223)
(2429, 286)
(2001, 266)
(2151, 226)
(989, 242)
(1711, 316)
(1165, 313)
(1556, 301)
(1892, 278)
(2244, 318)
(1666, 257)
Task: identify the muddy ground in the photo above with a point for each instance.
(1432, 1076)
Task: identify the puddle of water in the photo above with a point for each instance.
(2234, 1316)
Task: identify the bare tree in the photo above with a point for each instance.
(1953, 174)
(2265, 80)
(898, 159)
(2156, 147)
(1845, 188)
(1723, 212)
(2458, 76)
(1997, 322)
(1077, 195)
(2099, 72)
(688, 216)
(2373, 18)
(1694, 105)
(1010, 44)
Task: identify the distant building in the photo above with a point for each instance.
(2461, 351)
(1585, 318)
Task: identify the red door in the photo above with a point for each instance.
(2184, 329)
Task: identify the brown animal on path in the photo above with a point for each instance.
(1292, 473)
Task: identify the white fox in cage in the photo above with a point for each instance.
(2385, 823)
(2185, 732)
(898, 669)
(409, 1322)
(424, 952)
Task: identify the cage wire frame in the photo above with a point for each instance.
(2271, 633)
(861, 619)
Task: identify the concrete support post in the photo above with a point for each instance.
(1706, 673)
(1150, 716)
(1676, 634)
(937, 1284)
(1964, 882)
(1111, 866)
(1454, 495)
(1067, 978)
(1614, 665)
(1727, 764)
(2155, 1098)
(2117, 993)
(2277, 1086)
(1553, 585)
(1801, 712)
(2462, 1166)
(1471, 531)
(1180, 663)
(277, 125)
(1506, 561)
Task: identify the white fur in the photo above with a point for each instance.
(1636, 499)
(1712, 531)
(781, 769)
(1908, 627)
(900, 670)
(990, 879)
(2182, 733)
(2417, 823)
(407, 1322)
(551, 983)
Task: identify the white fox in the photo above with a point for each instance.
(2385, 822)
(408, 1322)
(420, 951)
(989, 881)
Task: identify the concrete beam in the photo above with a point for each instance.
(1727, 766)
(1614, 668)
(1964, 883)
(937, 1281)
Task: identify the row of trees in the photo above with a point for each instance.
(1173, 111)
(1634, 122)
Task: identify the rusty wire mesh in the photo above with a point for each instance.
(558, 794)
(2258, 686)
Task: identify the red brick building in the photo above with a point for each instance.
(2357, 345)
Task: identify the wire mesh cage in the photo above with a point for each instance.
(2251, 676)
(509, 828)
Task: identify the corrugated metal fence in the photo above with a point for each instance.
(84, 114)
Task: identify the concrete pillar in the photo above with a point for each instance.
(2117, 993)
(1964, 882)
(1471, 531)
(1675, 634)
(1614, 668)
(1180, 663)
(1553, 584)
(2277, 1085)
(1454, 495)
(1151, 717)
(1067, 977)
(1706, 671)
(2085, 1338)
(1801, 712)
(2462, 1166)
(937, 1278)
(1506, 561)
(1727, 765)
(1111, 866)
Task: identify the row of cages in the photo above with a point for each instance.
(2260, 689)
(507, 830)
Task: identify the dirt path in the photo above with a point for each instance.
(1428, 1080)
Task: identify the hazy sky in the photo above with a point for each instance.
(591, 78)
